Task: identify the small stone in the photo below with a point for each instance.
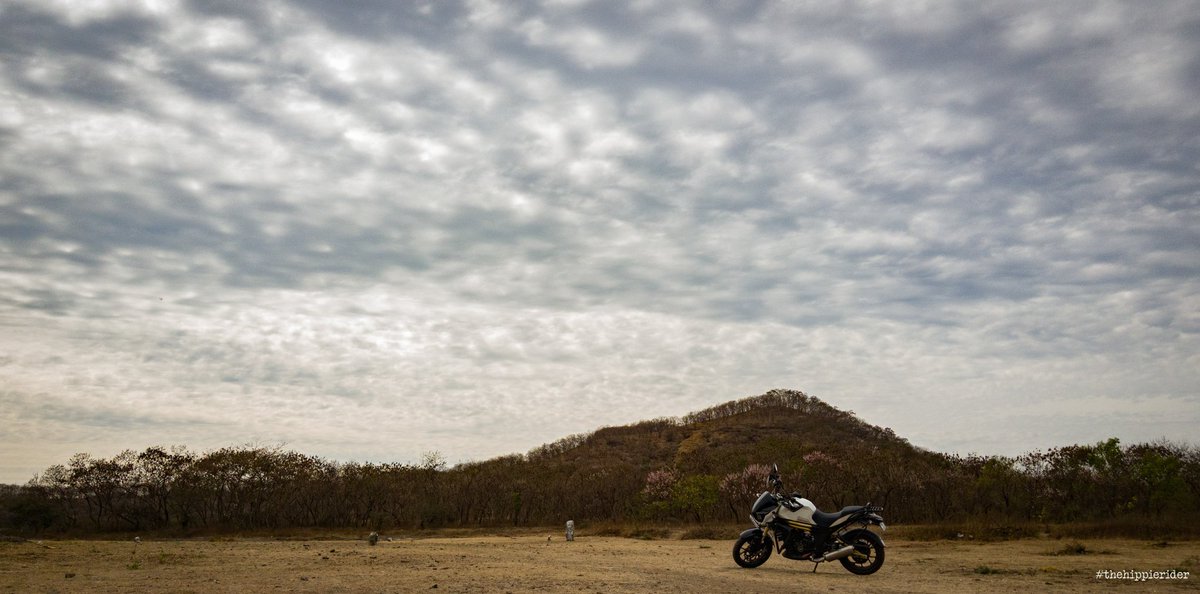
(69, 575)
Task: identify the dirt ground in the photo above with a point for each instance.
(547, 563)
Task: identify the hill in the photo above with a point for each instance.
(778, 426)
(706, 466)
(827, 453)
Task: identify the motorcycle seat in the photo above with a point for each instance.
(826, 519)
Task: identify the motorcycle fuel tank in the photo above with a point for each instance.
(800, 510)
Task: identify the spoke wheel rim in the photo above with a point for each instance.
(864, 552)
(751, 552)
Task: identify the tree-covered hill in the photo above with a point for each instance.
(705, 466)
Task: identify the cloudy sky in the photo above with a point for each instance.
(370, 231)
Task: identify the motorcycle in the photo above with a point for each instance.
(795, 528)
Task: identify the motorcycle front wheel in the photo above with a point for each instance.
(751, 551)
(867, 557)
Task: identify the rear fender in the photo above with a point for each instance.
(849, 535)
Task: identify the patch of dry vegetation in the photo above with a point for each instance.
(521, 562)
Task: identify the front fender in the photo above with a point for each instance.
(751, 532)
(759, 533)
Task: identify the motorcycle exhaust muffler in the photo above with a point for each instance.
(838, 554)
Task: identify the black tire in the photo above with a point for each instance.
(867, 557)
(751, 551)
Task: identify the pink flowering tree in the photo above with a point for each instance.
(819, 472)
(660, 484)
(739, 489)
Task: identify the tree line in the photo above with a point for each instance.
(696, 469)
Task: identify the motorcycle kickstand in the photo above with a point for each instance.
(815, 566)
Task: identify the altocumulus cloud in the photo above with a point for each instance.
(374, 230)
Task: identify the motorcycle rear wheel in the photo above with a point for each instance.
(751, 551)
(867, 557)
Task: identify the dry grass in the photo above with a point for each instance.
(1180, 528)
(544, 561)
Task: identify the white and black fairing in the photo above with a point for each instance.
(766, 503)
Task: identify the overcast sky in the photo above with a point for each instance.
(370, 230)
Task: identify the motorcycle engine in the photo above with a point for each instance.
(798, 545)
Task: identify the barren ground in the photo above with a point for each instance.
(528, 563)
